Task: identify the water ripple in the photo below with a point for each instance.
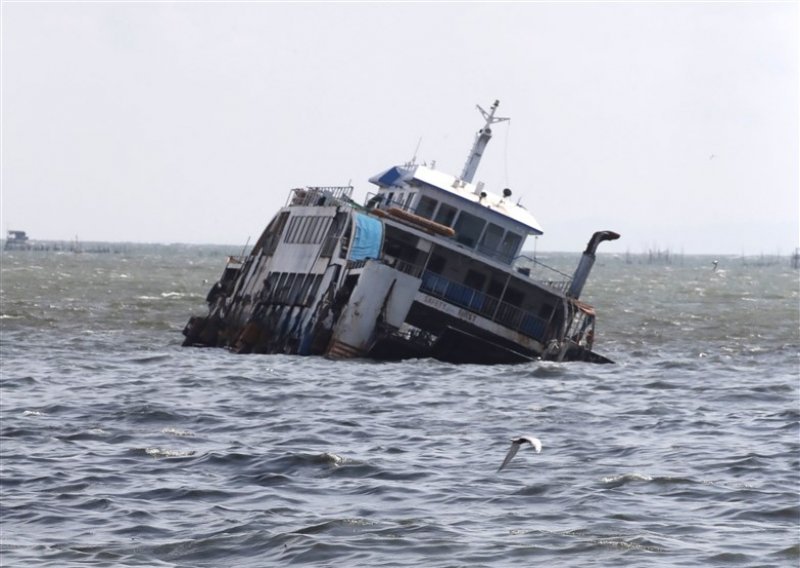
(119, 448)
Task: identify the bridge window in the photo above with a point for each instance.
(511, 244)
(426, 207)
(446, 215)
(468, 229)
(491, 238)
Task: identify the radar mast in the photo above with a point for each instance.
(481, 140)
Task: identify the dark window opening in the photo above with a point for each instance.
(468, 228)
(514, 297)
(436, 264)
(426, 207)
(510, 244)
(446, 215)
(545, 311)
(491, 238)
(474, 279)
(495, 288)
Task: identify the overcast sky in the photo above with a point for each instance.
(675, 124)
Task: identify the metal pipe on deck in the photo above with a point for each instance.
(587, 262)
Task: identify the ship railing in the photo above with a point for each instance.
(542, 274)
(355, 264)
(382, 201)
(493, 253)
(320, 195)
(482, 304)
(414, 270)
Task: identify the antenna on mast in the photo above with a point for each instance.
(416, 151)
(481, 140)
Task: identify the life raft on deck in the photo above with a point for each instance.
(415, 220)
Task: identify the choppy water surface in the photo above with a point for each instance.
(120, 448)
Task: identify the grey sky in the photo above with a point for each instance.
(675, 124)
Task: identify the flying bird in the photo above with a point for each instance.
(515, 446)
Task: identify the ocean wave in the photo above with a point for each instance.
(120, 448)
(169, 453)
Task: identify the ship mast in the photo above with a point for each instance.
(481, 140)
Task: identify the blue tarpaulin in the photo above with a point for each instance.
(367, 239)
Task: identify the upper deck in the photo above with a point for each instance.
(397, 183)
(491, 225)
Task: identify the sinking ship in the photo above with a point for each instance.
(431, 265)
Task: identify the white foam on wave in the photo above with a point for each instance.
(623, 544)
(172, 294)
(164, 453)
(177, 432)
(625, 477)
(333, 459)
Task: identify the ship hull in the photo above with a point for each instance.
(318, 300)
(431, 265)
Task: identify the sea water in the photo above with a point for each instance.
(119, 447)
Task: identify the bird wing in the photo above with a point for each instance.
(512, 451)
(535, 442)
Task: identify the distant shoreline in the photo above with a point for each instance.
(664, 256)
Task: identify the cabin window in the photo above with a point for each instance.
(545, 311)
(474, 279)
(446, 215)
(491, 238)
(436, 264)
(495, 288)
(513, 297)
(468, 228)
(426, 207)
(392, 248)
(409, 199)
(511, 244)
